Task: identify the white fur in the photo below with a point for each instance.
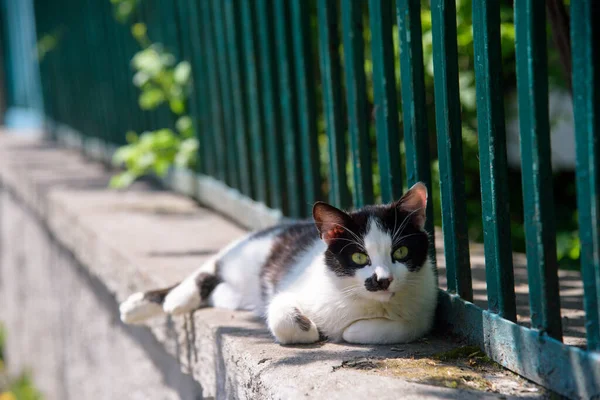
(136, 309)
(240, 264)
(184, 298)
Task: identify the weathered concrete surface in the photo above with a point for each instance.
(71, 249)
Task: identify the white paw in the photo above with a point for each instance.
(294, 329)
(183, 298)
(356, 333)
(378, 331)
(136, 309)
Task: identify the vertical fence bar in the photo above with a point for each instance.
(450, 154)
(307, 113)
(231, 14)
(272, 115)
(212, 76)
(356, 93)
(162, 11)
(224, 69)
(188, 34)
(287, 93)
(329, 46)
(203, 95)
(586, 107)
(254, 102)
(492, 158)
(412, 77)
(385, 99)
(540, 234)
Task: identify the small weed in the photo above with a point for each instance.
(20, 388)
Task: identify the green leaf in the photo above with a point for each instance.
(148, 60)
(151, 98)
(182, 72)
(131, 137)
(122, 154)
(575, 251)
(177, 106)
(184, 125)
(139, 31)
(141, 78)
(161, 167)
(187, 152)
(124, 10)
(122, 180)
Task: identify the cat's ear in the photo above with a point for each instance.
(414, 202)
(331, 222)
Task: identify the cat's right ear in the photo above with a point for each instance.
(331, 222)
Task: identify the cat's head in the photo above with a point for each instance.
(376, 250)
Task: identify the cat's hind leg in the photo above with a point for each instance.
(190, 294)
(287, 322)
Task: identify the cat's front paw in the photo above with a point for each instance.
(294, 328)
(378, 331)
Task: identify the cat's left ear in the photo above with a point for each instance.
(414, 202)
(331, 222)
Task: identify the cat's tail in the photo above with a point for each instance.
(189, 295)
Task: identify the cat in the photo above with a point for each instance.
(360, 277)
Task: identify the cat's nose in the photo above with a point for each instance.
(384, 283)
(374, 284)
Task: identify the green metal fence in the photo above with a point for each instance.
(287, 113)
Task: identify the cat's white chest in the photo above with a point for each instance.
(330, 308)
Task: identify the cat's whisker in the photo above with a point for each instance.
(349, 231)
(404, 223)
(350, 290)
(395, 221)
(351, 242)
(404, 237)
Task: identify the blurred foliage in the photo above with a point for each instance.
(20, 388)
(165, 82)
(48, 42)
(124, 9)
(161, 81)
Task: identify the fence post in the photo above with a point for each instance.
(492, 158)
(450, 154)
(585, 15)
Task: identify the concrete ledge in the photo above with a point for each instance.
(207, 190)
(96, 246)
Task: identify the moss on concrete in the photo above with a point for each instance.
(465, 367)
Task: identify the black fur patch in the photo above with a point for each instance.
(289, 244)
(158, 296)
(338, 256)
(301, 320)
(206, 284)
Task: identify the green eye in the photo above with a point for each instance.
(400, 253)
(360, 258)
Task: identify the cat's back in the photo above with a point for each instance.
(255, 265)
(293, 248)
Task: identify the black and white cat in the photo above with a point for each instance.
(362, 277)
